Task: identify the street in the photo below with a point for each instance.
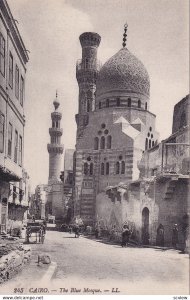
(84, 264)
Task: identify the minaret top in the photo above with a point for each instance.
(56, 102)
(125, 35)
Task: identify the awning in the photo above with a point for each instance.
(7, 175)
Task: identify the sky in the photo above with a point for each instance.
(157, 34)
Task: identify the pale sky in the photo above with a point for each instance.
(157, 34)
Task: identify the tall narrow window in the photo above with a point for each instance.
(146, 144)
(149, 145)
(17, 82)
(20, 151)
(21, 90)
(86, 63)
(10, 70)
(107, 102)
(102, 168)
(2, 128)
(96, 143)
(16, 147)
(139, 103)
(102, 143)
(88, 106)
(122, 167)
(57, 124)
(117, 167)
(107, 168)
(91, 168)
(129, 102)
(100, 105)
(146, 106)
(10, 137)
(85, 168)
(109, 138)
(118, 101)
(2, 55)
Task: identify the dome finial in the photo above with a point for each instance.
(125, 35)
(56, 102)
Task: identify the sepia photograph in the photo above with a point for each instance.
(94, 148)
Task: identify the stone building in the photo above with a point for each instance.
(38, 202)
(160, 197)
(55, 200)
(68, 181)
(114, 123)
(13, 60)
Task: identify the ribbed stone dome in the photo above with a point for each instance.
(123, 71)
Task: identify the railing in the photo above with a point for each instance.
(83, 65)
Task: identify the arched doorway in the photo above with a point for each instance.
(145, 226)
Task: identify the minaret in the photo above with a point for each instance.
(87, 70)
(55, 148)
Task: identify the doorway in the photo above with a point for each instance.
(145, 226)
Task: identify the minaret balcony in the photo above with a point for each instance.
(56, 115)
(55, 131)
(90, 66)
(55, 148)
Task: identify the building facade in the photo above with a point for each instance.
(13, 60)
(55, 200)
(114, 123)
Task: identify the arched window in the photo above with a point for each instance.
(139, 103)
(146, 144)
(88, 106)
(107, 102)
(122, 167)
(118, 102)
(85, 168)
(91, 168)
(149, 144)
(152, 143)
(102, 168)
(129, 102)
(117, 167)
(102, 143)
(100, 105)
(146, 106)
(96, 143)
(107, 168)
(109, 138)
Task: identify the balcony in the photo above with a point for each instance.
(57, 131)
(90, 66)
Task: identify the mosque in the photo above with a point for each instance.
(114, 123)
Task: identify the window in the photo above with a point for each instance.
(57, 124)
(16, 147)
(149, 144)
(107, 102)
(118, 102)
(86, 63)
(17, 82)
(146, 106)
(102, 143)
(85, 168)
(2, 128)
(139, 103)
(96, 143)
(122, 167)
(21, 90)
(10, 70)
(102, 168)
(88, 106)
(109, 138)
(91, 168)
(20, 151)
(152, 143)
(107, 168)
(146, 144)
(117, 167)
(100, 105)
(2, 55)
(129, 102)
(10, 134)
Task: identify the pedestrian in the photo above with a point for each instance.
(175, 239)
(160, 235)
(96, 232)
(125, 235)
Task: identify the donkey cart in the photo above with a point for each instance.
(37, 230)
